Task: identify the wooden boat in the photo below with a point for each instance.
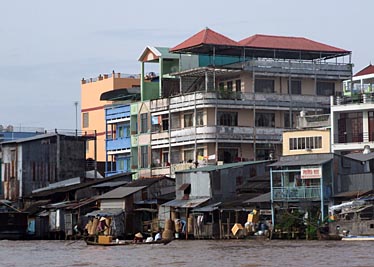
(358, 238)
(128, 243)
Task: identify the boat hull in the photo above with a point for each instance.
(127, 243)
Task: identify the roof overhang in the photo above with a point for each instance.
(188, 203)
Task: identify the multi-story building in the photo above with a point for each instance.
(232, 100)
(352, 115)
(93, 109)
(118, 136)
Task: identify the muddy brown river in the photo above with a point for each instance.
(241, 253)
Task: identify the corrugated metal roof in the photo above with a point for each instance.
(261, 198)
(361, 156)
(121, 192)
(146, 181)
(105, 212)
(189, 203)
(36, 137)
(111, 184)
(210, 168)
(208, 208)
(352, 194)
(303, 160)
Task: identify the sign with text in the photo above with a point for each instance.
(311, 172)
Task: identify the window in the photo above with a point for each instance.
(265, 119)
(121, 131)
(175, 123)
(227, 118)
(305, 143)
(165, 158)
(221, 86)
(264, 86)
(188, 155)
(85, 121)
(165, 122)
(144, 156)
(229, 86)
(325, 88)
(295, 87)
(287, 123)
(144, 123)
(238, 85)
(199, 118)
(188, 122)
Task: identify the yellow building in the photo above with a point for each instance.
(309, 141)
(93, 109)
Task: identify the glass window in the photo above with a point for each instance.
(295, 87)
(144, 156)
(238, 85)
(221, 86)
(227, 118)
(325, 88)
(188, 155)
(264, 86)
(188, 122)
(229, 86)
(85, 122)
(265, 119)
(287, 123)
(199, 118)
(143, 123)
(175, 121)
(165, 122)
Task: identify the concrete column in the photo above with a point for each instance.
(365, 126)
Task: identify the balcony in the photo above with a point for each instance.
(115, 113)
(239, 100)
(220, 134)
(306, 68)
(118, 144)
(296, 193)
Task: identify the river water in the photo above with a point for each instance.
(241, 253)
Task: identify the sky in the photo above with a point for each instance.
(47, 47)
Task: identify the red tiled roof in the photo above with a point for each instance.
(289, 43)
(206, 36)
(368, 70)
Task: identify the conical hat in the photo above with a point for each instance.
(139, 235)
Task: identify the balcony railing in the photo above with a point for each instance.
(296, 193)
(118, 144)
(344, 138)
(117, 112)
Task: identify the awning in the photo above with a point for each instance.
(208, 208)
(105, 212)
(301, 162)
(352, 194)
(146, 209)
(259, 199)
(189, 203)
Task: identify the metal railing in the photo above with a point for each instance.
(296, 193)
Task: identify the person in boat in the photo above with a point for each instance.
(102, 226)
(138, 238)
